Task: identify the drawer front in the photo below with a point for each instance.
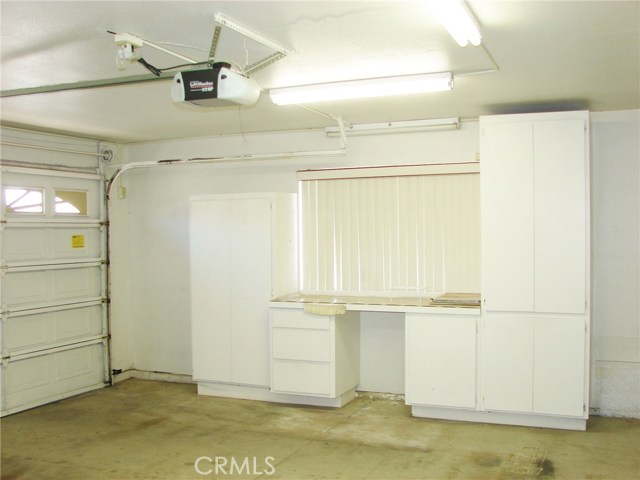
(301, 378)
(301, 344)
(298, 318)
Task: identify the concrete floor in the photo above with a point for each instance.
(152, 430)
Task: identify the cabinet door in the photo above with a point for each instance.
(440, 360)
(230, 242)
(507, 216)
(210, 254)
(560, 216)
(559, 366)
(250, 279)
(534, 364)
(507, 364)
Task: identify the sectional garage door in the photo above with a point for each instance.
(53, 331)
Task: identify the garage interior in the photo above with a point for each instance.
(410, 284)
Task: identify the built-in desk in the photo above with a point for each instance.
(315, 357)
(315, 347)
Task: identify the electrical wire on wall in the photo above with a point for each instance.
(342, 150)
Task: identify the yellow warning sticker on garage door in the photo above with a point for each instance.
(77, 241)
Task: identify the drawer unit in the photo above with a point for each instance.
(314, 355)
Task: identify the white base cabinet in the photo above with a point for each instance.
(315, 355)
(534, 364)
(497, 368)
(440, 360)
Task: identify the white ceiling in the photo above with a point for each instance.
(550, 55)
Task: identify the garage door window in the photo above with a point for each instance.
(23, 200)
(70, 202)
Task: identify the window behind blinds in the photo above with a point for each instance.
(400, 234)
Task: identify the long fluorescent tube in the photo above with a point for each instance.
(458, 20)
(396, 127)
(371, 87)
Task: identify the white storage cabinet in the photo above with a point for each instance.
(243, 250)
(534, 185)
(535, 264)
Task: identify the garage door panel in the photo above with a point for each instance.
(36, 287)
(24, 245)
(51, 244)
(72, 324)
(40, 330)
(29, 374)
(74, 363)
(76, 243)
(25, 332)
(38, 380)
(77, 283)
(23, 288)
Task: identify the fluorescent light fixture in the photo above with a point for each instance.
(371, 87)
(458, 20)
(396, 127)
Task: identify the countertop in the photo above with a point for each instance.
(450, 303)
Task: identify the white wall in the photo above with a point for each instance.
(150, 252)
(150, 245)
(615, 383)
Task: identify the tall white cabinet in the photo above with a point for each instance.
(535, 265)
(242, 254)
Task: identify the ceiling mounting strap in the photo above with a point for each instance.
(214, 43)
(265, 62)
(280, 52)
(227, 22)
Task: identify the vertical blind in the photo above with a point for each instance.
(391, 234)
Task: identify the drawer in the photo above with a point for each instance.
(300, 377)
(297, 318)
(301, 344)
